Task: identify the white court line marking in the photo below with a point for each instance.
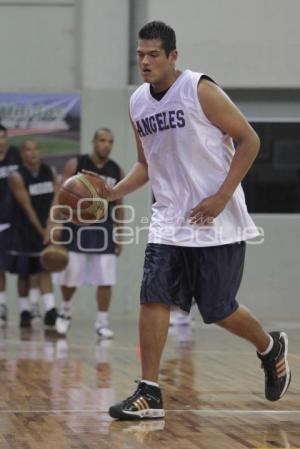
(204, 411)
(238, 412)
(115, 347)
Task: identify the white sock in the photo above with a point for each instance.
(24, 303)
(34, 294)
(3, 298)
(102, 318)
(67, 308)
(149, 382)
(269, 348)
(49, 301)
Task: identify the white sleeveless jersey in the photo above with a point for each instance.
(188, 160)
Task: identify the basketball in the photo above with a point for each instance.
(86, 196)
(54, 258)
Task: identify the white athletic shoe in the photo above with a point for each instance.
(62, 323)
(180, 318)
(103, 331)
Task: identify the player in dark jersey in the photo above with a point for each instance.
(92, 252)
(9, 161)
(33, 187)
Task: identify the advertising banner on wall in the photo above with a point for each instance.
(53, 119)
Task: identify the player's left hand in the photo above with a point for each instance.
(209, 208)
(46, 239)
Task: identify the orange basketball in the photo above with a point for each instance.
(54, 258)
(84, 196)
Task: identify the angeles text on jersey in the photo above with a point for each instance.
(160, 122)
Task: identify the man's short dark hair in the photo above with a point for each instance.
(161, 31)
(103, 130)
(3, 129)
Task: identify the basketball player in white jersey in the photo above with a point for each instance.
(184, 126)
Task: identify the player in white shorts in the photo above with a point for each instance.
(92, 251)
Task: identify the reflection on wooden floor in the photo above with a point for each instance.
(54, 393)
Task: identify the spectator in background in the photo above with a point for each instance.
(92, 253)
(9, 162)
(33, 187)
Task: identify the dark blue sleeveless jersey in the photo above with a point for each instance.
(98, 237)
(8, 165)
(24, 238)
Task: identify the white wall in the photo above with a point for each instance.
(64, 44)
(67, 44)
(270, 284)
(239, 43)
(104, 43)
(37, 45)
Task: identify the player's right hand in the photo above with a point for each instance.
(110, 192)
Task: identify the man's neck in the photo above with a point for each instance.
(98, 161)
(166, 83)
(33, 168)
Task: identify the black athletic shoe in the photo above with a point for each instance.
(146, 402)
(275, 364)
(25, 319)
(50, 317)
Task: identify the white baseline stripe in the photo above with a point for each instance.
(203, 412)
(238, 412)
(42, 344)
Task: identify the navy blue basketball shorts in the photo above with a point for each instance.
(174, 275)
(23, 265)
(3, 249)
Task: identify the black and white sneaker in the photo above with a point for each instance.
(3, 315)
(146, 402)
(103, 330)
(50, 317)
(275, 364)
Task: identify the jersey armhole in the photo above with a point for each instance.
(202, 77)
(206, 77)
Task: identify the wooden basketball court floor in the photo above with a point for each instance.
(54, 393)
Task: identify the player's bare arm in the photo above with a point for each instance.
(70, 169)
(19, 191)
(47, 237)
(221, 111)
(138, 175)
(119, 219)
